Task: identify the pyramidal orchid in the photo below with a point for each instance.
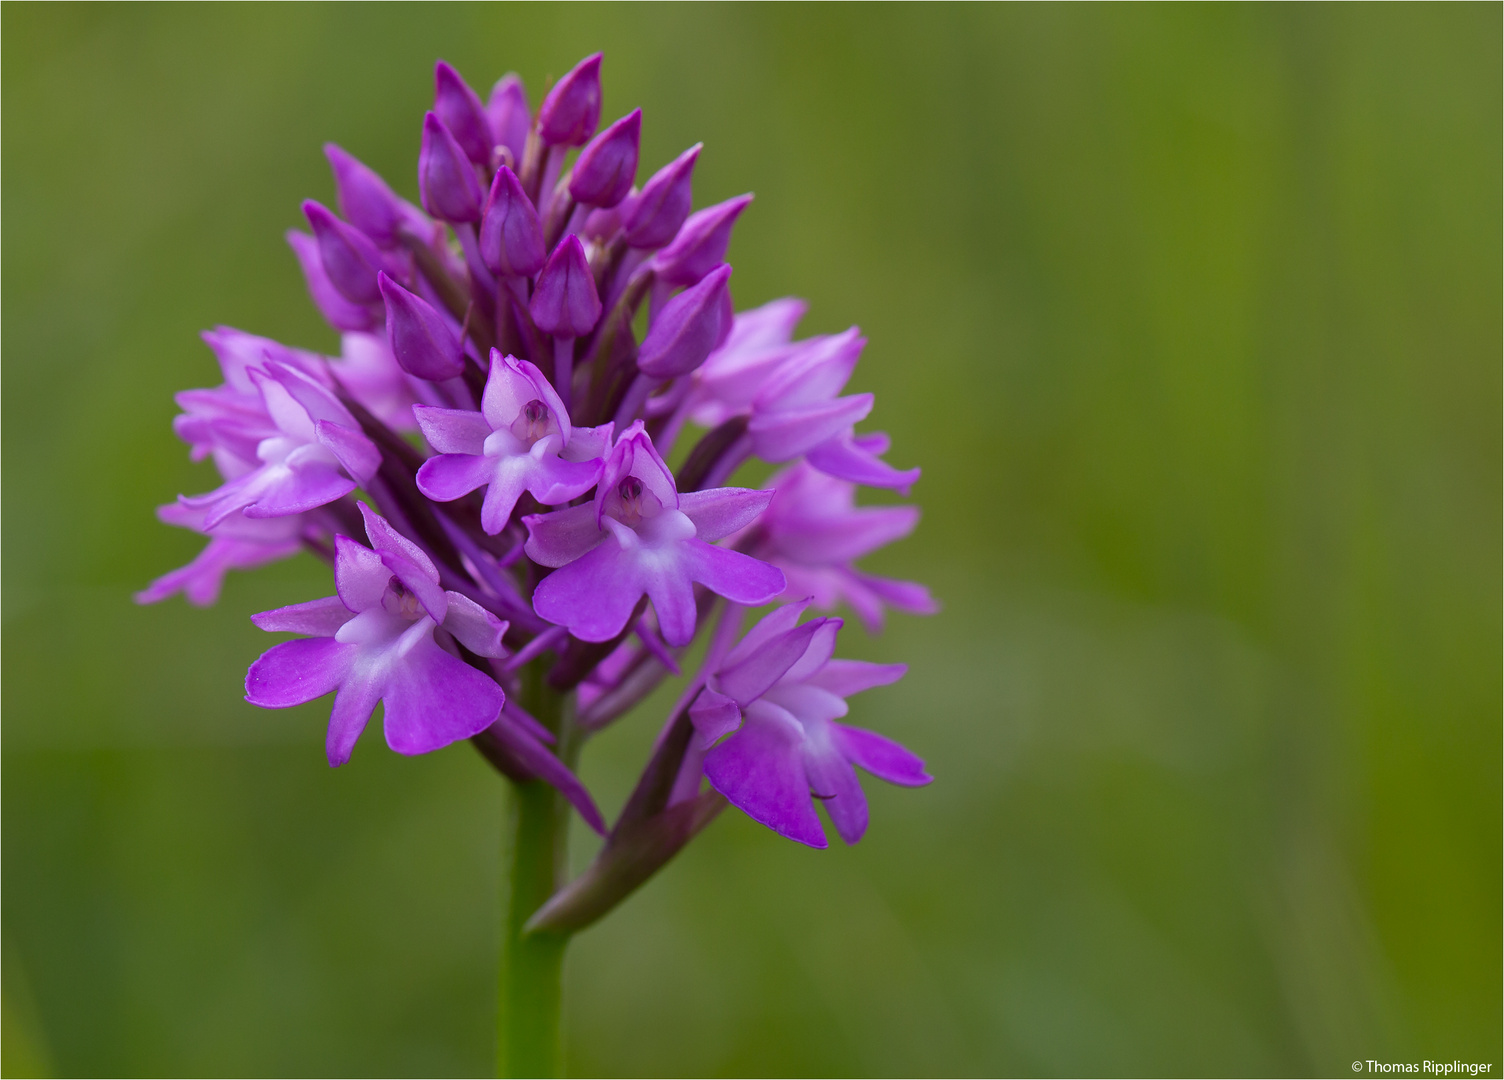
(527, 338)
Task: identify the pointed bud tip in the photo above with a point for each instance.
(572, 110)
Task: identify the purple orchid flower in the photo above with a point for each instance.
(521, 440)
(549, 271)
(798, 412)
(642, 536)
(236, 543)
(374, 641)
(778, 694)
(813, 531)
(313, 454)
(728, 381)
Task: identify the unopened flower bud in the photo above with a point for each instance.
(511, 237)
(571, 112)
(701, 243)
(364, 197)
(564, 301)
(654, 216)
(508, 112)
(351, 259)
(446, 178)
(605, 170)
(332, 304)
(690, 326)
(421, 341)
(462, 113)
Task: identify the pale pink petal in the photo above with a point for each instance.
(553, 480)
(285, 491)
(562, 536)
(452, 431)
(784, 434)
(881, 757)
(844, 457)
(847, 677)
(385, 538)
(360, 576)
(752, 675)
(452, 476)
(821, 646)
(817, 372)
(476, 628)
(588, 443)
(719, 512)
(320, 618)
(775, 623)
(355, 452)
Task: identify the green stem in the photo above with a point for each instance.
(528, 1041)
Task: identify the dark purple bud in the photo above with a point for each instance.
(564, 301)
(605, 170)
(351, 259)
(701, 243)
(421, 341)
(652, 219)
(364, 197)
(511, 237)
(688, 328)
(462, 113)
(571, 112)
(446, 178)
(509, 115)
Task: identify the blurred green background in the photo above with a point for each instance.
(1191, 315)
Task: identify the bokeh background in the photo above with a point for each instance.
(1190, 313)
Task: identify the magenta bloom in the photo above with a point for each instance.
(642, 536)
(779, 693)
(374, 641)
(521, 440)
(813, 531)
(313, 451)
(551, 329)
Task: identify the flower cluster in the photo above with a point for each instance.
(485, 466)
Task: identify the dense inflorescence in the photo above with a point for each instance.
(485, 465)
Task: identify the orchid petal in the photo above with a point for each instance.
(719, 512)
(761, 771)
